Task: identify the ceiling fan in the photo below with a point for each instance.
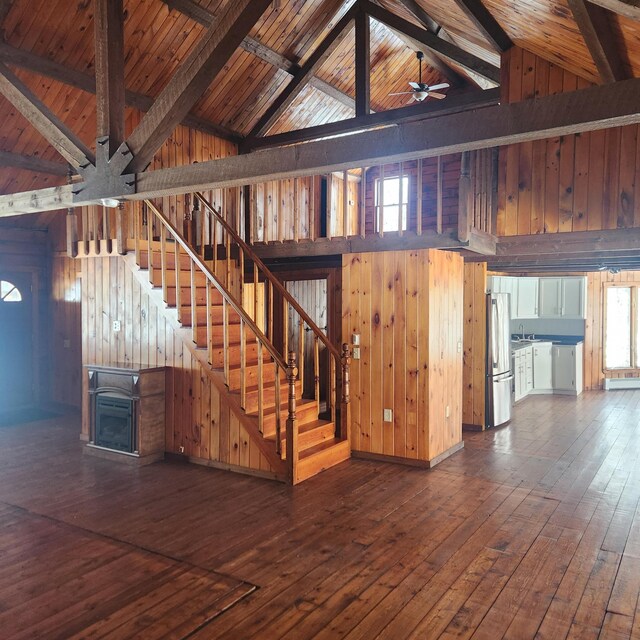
(419, 90)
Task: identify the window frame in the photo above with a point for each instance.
(404, 181)
(633, 326)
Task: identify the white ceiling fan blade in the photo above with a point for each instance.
(415, 85)
(411, 99)
(443, 85)
(436, 95)
(401, 93)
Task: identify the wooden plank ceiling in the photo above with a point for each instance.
(160, 33)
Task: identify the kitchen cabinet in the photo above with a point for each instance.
(506, 284)
(567, 369)
(542, 367)
(562, 297)
(522, 372)
(527, 298)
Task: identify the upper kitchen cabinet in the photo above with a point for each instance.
(527, 304)
(563, 297)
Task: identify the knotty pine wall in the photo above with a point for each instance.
(407, 308)
(475, 341)
(197, 415)
(579, 182)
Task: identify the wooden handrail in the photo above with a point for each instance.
(277, 285)
(230, 300)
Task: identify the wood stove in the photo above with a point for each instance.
(126, 412)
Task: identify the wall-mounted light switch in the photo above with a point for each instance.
(388, 415)
(67, 344)
(355, 339)
(116, 325)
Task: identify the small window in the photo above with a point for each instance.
(9, 292)
(391, 193)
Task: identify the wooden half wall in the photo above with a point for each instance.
(580, 182)
(406, 306)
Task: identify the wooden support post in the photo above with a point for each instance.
(72, 233)
(345, 408)
(329, 205)
(400, 197)
(278, 406)
(260, 385)
(345, 203)
(316, 371)
(210, 325)
(362, 205)
(292, 427)
(121, 230)
(362, 64)
(419, 198)
(296, 211)
(381, 202)
(194, 312)
(243, 365)
(163, 263)
(464, 212)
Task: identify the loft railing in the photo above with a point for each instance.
(275, 293)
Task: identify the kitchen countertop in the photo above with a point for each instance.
(554, 339)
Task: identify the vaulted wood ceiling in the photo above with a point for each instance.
(56, 39)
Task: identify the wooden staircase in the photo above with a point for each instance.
(264, 384)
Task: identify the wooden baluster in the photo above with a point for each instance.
(150, 218)
(215, 247)
(400, 198)
(333, 387)
(301, 342)
(225, 339)
(381, 202)
(296, 211)
(72, 233)
(419, 199)
(121, 230)
(329, 204)
(260, 386)
(285, 326)
(345, 204)
(194, 314)
(138, 230)
(316, 370)
(178, 255)
(228, 252)
(278, 410)
(163, 264)
(270, 325)
(255, 296)
(203, 233)
(439, 197)
(209, 323)
(243, 366)
(292, 427)
(345, 407)
(362, 201)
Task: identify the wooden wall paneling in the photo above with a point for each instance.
(611, 180)
(627, 184)
(377, 357)
(412, 322)
(365, 302)
(399, 354)
(388, 355)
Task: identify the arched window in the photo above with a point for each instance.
(9, 292)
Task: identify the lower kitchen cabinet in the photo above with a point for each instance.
(522, 372)
(567, 369)
(543, 367)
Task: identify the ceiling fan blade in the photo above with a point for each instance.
(436, 95)
(411, 99)
(443, 85)
(415, 85)
(401, 93)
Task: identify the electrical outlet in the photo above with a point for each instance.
(388, 415)
(116, 325)
(67, 344)
(356, 353)
(459, 347)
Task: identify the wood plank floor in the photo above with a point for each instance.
(531, 531)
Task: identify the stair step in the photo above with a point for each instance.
(251, 372)
(269, 397)
(306, 410)
(217, 314)
(320, 457)
(310, 434)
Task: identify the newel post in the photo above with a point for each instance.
(72, 233)
(345, 408)
(292, 427)
(465, 195)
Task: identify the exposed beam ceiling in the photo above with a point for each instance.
(627, 8)
(299, 80)
(32, 163)
(593, 22)
(206, 18)
(599, 107)
(110, 90)
(428, 39)
(363, 64)
(485, 23)
(190, 80)
(418, 111)
(60, 73)
(59, 136)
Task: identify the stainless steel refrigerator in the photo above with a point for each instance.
(499, 371)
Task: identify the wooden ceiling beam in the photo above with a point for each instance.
(598, 107)
(299, 81)
(109, 66)
(59, 136)
(428, 39)
(56, 71)
(595, 27)
(627, 8)
(486, 24)
(33, 163)
(206, 18)
(363, 64)
(190, 80)
(419, 111)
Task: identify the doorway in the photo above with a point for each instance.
(17, 389)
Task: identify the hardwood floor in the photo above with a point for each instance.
(531, 531)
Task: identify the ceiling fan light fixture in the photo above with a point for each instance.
(110, 203)
(419, 96)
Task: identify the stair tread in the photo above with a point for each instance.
(284, 407)
(320, 447)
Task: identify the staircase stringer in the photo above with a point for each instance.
(249, 423)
